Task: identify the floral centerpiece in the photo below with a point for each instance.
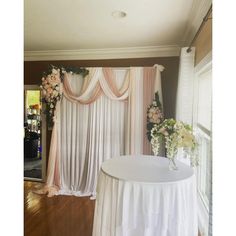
(51, 87)
(176, 134)
(154, 117)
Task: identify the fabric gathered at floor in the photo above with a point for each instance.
(100, 116)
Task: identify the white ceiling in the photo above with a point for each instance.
(88, 24)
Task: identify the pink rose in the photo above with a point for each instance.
(54, 71)
(54, 79)
(49, 90)
(166, 133)
(150, 115)
(155, 117)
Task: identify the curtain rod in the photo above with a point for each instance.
(205, 19)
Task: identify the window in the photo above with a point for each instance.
(203, 172)
(202, 110)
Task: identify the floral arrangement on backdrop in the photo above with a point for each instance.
(51, 90)
(154, 115)
(176, 134)
(51, 86)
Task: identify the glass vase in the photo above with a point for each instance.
(172, 164)
(171, 155)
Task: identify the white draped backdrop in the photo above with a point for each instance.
(184, 97)
(99, 117)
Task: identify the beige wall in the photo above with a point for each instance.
(203, 42)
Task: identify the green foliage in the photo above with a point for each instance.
(69, 69)
(156, 109)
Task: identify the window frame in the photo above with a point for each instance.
(203, 67)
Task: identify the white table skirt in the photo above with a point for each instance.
(139, 196)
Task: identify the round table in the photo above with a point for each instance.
(139, 196)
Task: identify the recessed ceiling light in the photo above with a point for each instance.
(119, 14)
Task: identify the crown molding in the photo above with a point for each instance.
(105, 53)
(197, 13)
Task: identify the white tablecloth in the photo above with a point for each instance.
(140, 196)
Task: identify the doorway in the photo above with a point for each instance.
(34, 134)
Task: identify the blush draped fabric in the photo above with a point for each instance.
(100, 116)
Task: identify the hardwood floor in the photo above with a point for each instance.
(56, 216)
